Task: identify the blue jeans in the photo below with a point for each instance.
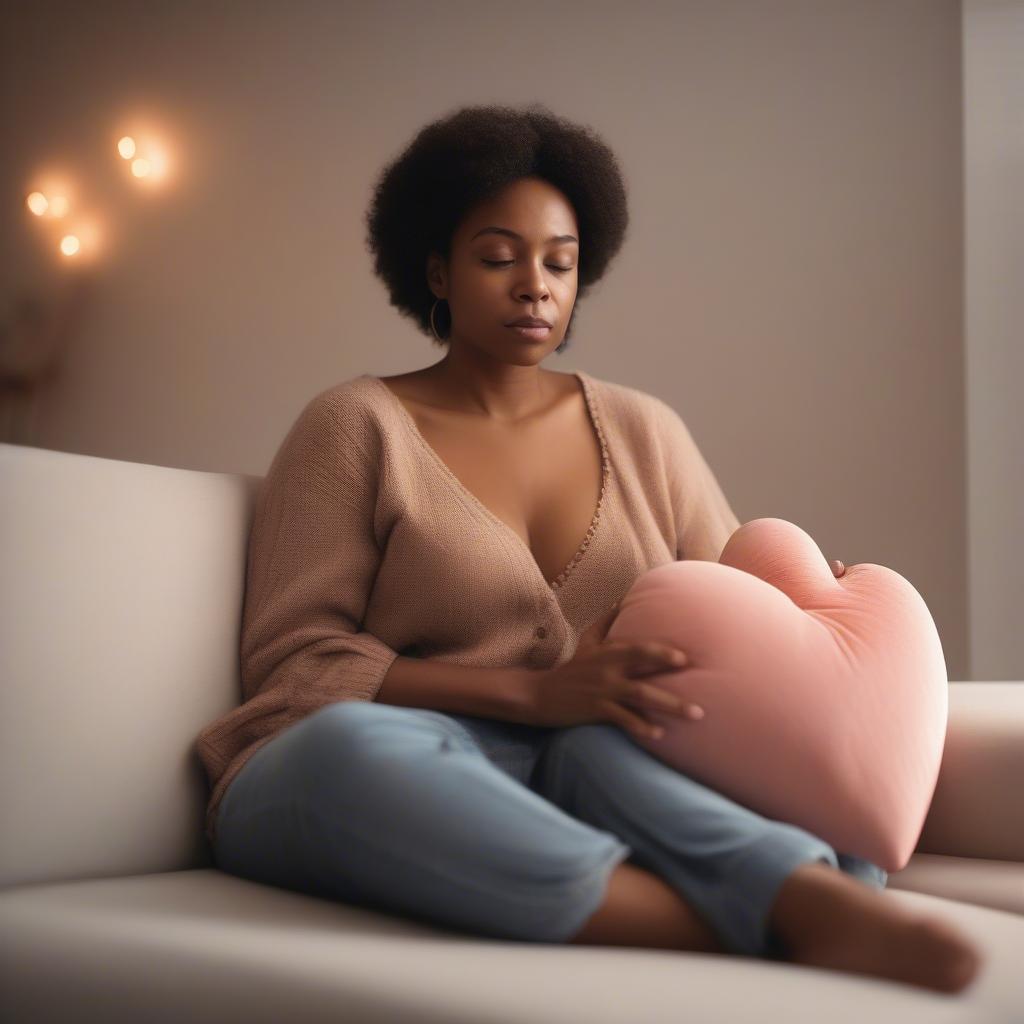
(497, 828)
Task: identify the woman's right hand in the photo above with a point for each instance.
(603, 682)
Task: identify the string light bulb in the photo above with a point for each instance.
(57, 197)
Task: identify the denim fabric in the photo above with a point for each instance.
(500, 829)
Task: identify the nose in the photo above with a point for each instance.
(533, 287)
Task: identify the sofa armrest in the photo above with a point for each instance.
(975, 810)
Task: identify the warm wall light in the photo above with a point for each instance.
(55, 195)
(146, 156)
(157, 161)
(56, 206)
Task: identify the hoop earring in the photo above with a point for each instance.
(432, 327)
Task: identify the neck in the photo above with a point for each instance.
(502, 392)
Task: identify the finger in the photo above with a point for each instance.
(635, 724)
(655, 697)
(683, 709)
(641, 659)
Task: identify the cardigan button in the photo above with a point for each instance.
(541, 632)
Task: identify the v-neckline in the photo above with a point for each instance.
(475, 502)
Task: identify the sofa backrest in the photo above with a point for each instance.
(121, 589)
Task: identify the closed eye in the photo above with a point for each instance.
(505, 263)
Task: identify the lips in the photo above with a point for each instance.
(528, 321)
(534, 334)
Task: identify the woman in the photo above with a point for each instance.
(431, 727)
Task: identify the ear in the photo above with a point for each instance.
(437, 275)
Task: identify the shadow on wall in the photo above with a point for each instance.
(34, 338)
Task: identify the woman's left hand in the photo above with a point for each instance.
(837, 568)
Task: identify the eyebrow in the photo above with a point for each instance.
(512, 234)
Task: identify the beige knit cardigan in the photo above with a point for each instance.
(365, 545)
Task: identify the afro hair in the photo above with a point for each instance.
(469, 156)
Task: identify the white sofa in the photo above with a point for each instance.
(121, 596)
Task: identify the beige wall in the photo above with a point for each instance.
(994, 173)
(792, 282)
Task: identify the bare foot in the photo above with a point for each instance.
(857, 928)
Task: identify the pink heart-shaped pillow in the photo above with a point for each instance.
(825, 700)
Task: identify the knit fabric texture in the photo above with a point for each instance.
(365, 546)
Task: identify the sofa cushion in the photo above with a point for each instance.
(988, 883)
(202, 946)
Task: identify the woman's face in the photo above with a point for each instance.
(512, 256)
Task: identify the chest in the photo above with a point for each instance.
(542, 481)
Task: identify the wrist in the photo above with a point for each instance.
(524, 694)
(508, 693)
